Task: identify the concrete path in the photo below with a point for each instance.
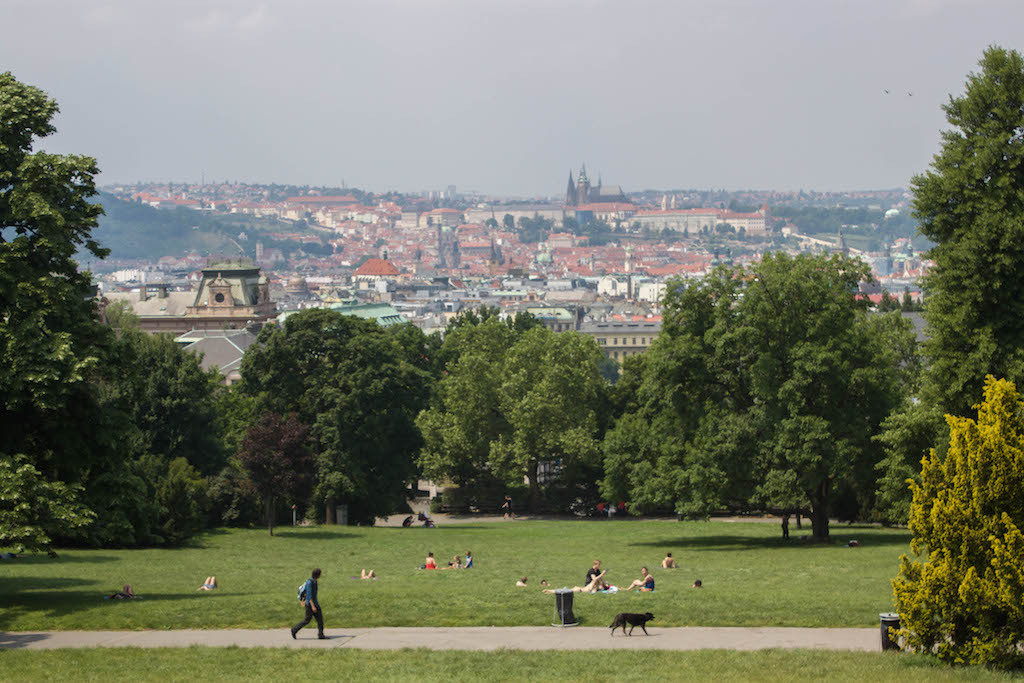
(468, 638)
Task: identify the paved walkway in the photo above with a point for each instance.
(468, 638)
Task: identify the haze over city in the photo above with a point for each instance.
(504, 97)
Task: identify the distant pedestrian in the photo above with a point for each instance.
(506, 508)
(312, 605)
(785, 527)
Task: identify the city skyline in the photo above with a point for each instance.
(504, 99)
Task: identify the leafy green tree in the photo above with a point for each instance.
(963, 597)
(465, 416)
(971, 206)
(508, 221)
(169, 399)
(34, 510)
(552, 397)
(350, 381)
(50, 341)
(764, 389)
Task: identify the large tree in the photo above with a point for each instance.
(764, 390)
(350, 381)
(50, 341)
(971, 205)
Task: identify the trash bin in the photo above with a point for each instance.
(889, 620)
(563, 608)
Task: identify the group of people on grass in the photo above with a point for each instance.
(595, 583)
(455, 563)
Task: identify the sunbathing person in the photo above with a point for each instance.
(521, 583)
(125, 593)
(669, 562)
(209, 584)
(363, 574)
(430, 563)
(645, 583)
(596, 585)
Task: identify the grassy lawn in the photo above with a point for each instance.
(423, 665)
(751, 578)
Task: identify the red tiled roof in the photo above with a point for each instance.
(377, 267)
(323, 199)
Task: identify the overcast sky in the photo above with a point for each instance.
(505, 96)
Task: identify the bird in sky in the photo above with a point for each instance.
(885, 91)
(910, 94)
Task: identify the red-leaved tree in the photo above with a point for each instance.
(275, 451)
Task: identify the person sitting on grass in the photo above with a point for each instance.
(645, 583)
(456, 563)
(363, 574)
(209, 584)
(469, 560)
(697, 584)
(669, 562)
(521, 583)
(431, 563)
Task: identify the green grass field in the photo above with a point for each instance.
(205, 664)
(751, 577)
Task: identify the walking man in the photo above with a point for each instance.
(312, 605)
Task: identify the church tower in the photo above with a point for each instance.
(570, 193)
(582, 187)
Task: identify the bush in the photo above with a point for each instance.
(965, 601)
(181, 493)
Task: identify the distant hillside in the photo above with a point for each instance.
(138, 231)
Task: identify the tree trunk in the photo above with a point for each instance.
(270, 515)
(531, 476)
(330, 510)
(819, 512)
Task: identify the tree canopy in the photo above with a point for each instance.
(763, 390)
(350, 381)
(970, 204)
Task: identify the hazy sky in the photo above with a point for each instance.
(505, 96)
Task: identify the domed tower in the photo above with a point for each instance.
(220, 294)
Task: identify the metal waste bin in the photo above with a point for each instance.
(889, 620)
(563, 608)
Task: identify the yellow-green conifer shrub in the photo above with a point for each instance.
(963, 600)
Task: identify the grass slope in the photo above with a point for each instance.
(422, 665)
(752, 578)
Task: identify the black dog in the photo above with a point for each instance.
(633, 620)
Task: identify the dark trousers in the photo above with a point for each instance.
(310, 614)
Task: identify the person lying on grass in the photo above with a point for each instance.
(363, 574)
(209, 584)
(645, 583)
(596, 585)
(125, 593)
(521, 583)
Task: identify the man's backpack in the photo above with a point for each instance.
(302, 592)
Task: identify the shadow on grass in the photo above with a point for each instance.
(63, 557)
(734, 542)
(317, 534)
